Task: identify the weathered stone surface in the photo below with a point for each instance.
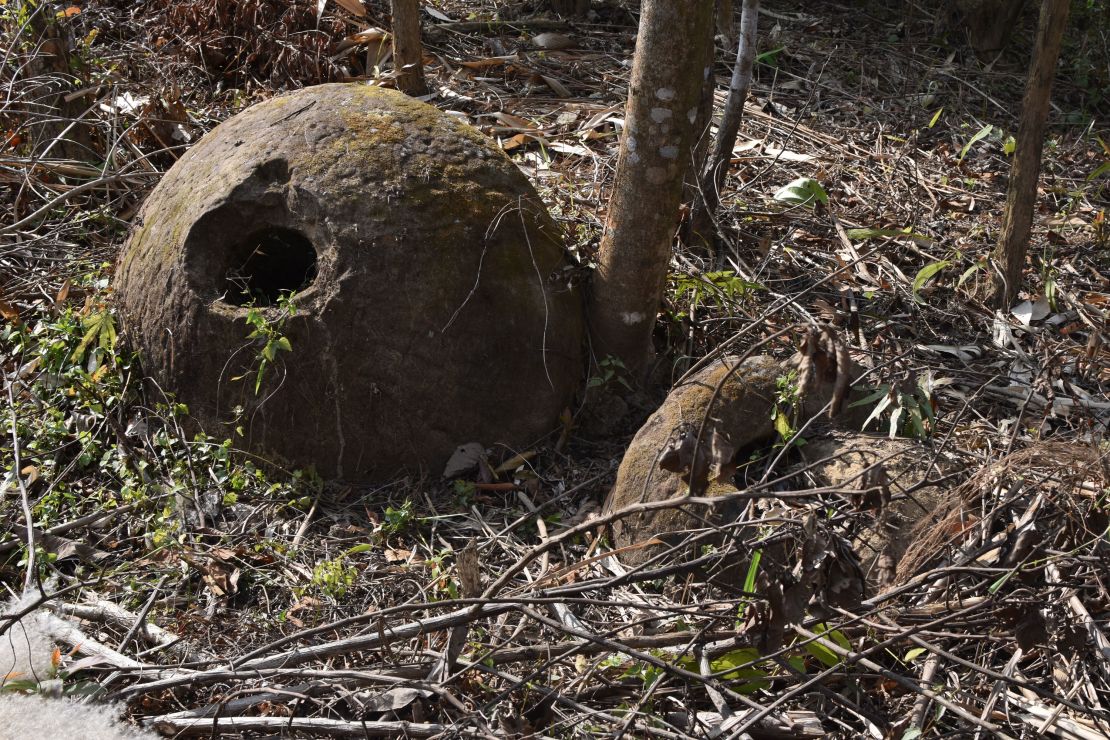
(738, 398)
(432, 299)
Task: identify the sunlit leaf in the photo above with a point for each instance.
(981, 134)
(925, 274)
(100, 327)
(803, 191)
(826, 657)
(914, 654)
(753, 571)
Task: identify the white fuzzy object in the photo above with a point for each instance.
(26, 647)
(32, 717)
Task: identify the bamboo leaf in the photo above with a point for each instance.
(925, 274)
(981, 134)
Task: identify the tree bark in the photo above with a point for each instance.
(668, 70)
(62, 132)
(702, 215)
(408, 52)
(703, 140)
(1021, 196)
(726, 25)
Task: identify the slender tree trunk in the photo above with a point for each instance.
(408, 52)
(703, 140)
(1021, 197)
(61, 131)
(667, 79)
(726, 25)
(703, 213)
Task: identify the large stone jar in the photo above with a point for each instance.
(431, 302)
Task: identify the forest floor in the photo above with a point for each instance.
(225, 597)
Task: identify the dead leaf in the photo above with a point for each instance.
(489, 62)
(438, 15)
(464, 459)
(9, 312)
(517, 141)
(571, 149)
(64, 548)
(551, 41)
(556, 87)
(63, 293)
(221, 578)
(397, 556)
(514, 122)
(515, 462)
(392, 700)
(372, 35)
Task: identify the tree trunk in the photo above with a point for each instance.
(668, 70)
(408, 52)
(61, 132)
(1021, 197)
(726, 25)
(988, 22)
(703, 139)
(577, 8)
(703, 213)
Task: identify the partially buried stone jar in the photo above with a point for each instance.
(430, 289)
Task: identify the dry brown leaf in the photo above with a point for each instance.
(551, 41)
(397, 556)
(515, 462)
(63, 293)
(368, 34)
(515, 122)
(9, 312)
(516, 141)
(556, 87)
(488, 62)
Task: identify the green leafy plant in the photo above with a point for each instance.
(930, 271)
(610, 369)
(979, 136)
(719, 288)
(825, 656)
(444, 583)
(925, 274)
(771, 57)
(334, 577)
(802, 192)
(397, 520)
(788, 396)
(909, 413)
(267, 335)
